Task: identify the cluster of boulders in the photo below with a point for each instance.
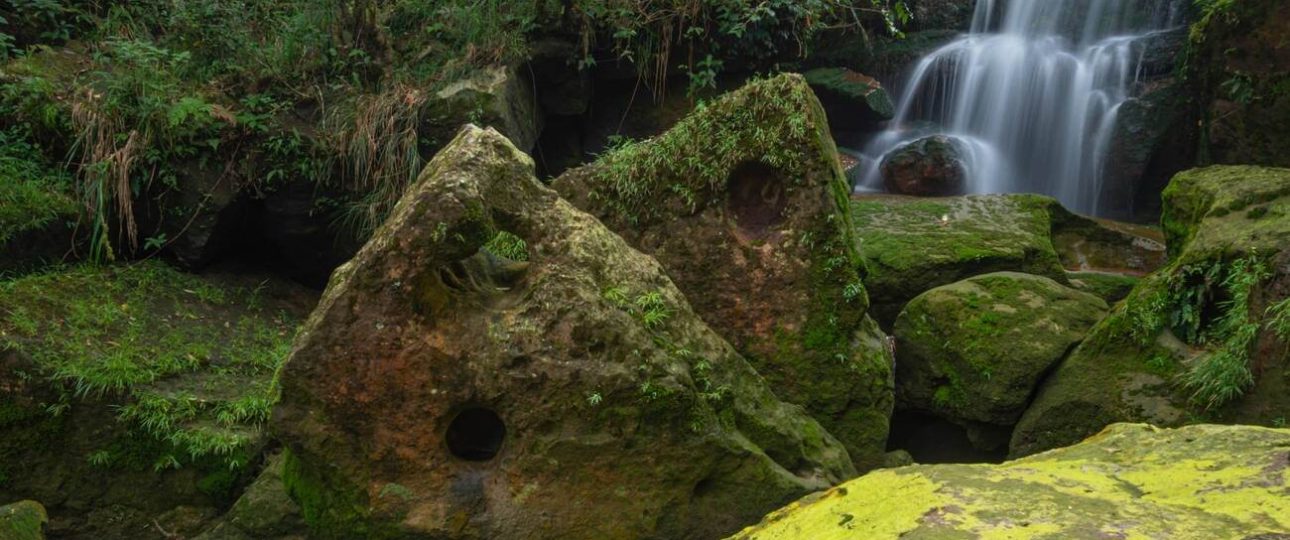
(697, 329)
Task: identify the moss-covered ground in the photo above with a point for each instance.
(187, 363)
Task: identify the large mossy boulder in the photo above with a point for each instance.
(744, 203)
(495, 363)
(974, 351)
(1204, 338)
(1130, 481)
(137, 393)
(914, 245)
(852, 100)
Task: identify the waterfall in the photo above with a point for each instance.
(1031, 92)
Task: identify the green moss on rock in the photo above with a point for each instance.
(913, 245)
(141, 374)
(974, 351)
(23, 520)
(1193, 340)
(744, 203)
(1131, 480)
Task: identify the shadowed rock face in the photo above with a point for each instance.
(745, 206)
(442, 390)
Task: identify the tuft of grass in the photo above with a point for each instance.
(505, 244)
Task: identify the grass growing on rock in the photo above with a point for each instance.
(190, 363)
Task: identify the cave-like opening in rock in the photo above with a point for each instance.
(757, 198)
(476, 434)
(930, 439)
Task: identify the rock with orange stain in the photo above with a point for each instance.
(745, 205)
(495, 363)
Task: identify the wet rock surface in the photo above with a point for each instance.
(932, 166)
(974, 351)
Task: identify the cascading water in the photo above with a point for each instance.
(1031, 94)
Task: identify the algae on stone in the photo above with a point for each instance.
(975, 350)
(440, 389)
(1130, 481)
(744, 203)
(911, 245)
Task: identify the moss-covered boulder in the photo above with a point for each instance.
(498, 96)
(744, 205)
(23, 520)
(264, 511)
(495, 363)
(1204, 338)
(128, 392)
(974, 351)
(852, 100)
(1130, 481)
(914, 245)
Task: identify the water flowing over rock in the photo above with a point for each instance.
(928, 167)
(1130, 481)
(1033, 91)
(495, 363)
(744, 203)
(1206, 334)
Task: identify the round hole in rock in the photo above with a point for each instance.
(757, 198)
(476, 434)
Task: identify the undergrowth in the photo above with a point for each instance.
(329, 93)
(190, 363)
(1207, 305)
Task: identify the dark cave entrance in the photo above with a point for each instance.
(930, 439)
(757, 198)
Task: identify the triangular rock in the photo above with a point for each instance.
(442, 389)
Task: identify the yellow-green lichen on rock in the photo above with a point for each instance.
(1130, 481)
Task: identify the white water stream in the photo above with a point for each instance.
(1031, 94)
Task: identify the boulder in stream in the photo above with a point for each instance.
(932, 166)
(974, 351)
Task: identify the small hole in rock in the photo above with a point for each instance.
(476, 434)
(757, 198)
